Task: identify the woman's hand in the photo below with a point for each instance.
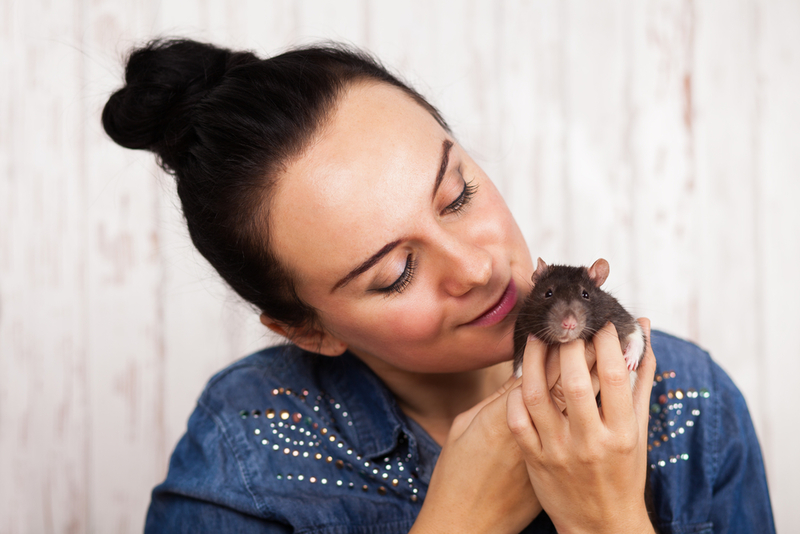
(480, 483)
(588, 465)
(553, 373)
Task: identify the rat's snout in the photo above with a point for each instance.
(570, 322)
(567, 322)
(569, 328)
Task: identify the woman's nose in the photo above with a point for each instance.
(467, 266)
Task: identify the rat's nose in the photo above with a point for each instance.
(569, 322)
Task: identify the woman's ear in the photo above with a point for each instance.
(310, 339)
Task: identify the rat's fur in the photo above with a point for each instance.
(566, 303)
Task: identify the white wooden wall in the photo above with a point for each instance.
(663, 135)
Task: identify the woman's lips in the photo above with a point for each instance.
(500, 310)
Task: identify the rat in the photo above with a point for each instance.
(566, 303)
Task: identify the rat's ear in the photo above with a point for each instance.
(307, 338)
(541, 268)
(598, 272)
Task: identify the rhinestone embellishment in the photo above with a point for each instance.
(308, 438)
(671, 417)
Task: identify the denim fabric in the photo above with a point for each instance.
(287, 441)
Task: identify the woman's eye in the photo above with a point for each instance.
(463, 199)
(405, 278)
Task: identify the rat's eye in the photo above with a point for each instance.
(585, 295)
(548, 293)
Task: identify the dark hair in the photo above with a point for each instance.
(224, 123)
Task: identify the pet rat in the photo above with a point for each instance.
(566, 303)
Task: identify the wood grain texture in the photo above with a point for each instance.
(778, 221)
(663, 135)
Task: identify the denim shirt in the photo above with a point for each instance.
(288, 441)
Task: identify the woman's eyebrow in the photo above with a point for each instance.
(446, 146)
(375, 258)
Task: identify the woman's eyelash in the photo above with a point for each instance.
(401, 283)
(463, 199)
(405, 278)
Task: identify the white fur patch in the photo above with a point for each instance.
(634, 351)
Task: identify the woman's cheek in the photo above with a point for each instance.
(416, 323)
(389, 320)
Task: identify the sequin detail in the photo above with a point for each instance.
(672, 417)
(307, 436)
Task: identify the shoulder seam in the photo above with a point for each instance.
(239, 462)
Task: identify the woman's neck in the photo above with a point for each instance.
(434, 400)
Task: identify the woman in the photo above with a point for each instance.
(335, 199)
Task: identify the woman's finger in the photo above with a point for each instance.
(521, 425)
(578, 392)
(552, 366)
(554, 374)
(615, 382)
(535, 393)
(646, 372)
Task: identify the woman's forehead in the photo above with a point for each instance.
(359, 183)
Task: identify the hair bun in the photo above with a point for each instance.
(164, 80)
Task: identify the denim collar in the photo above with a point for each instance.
(378, 423)
(379, 426)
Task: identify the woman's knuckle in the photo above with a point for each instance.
(518, 426)
(460, 424)
(577, 389)
(617, 378)
(460, 420)
(628, 441)
(560, 457)
(533, 396)
(587, 457)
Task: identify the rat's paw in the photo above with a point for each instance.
(634, 350)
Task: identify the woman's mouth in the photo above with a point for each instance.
(500, 309)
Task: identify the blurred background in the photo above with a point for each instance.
(663, 135)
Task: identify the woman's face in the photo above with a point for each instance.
(399, 239)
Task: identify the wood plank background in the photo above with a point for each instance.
(663, 135)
